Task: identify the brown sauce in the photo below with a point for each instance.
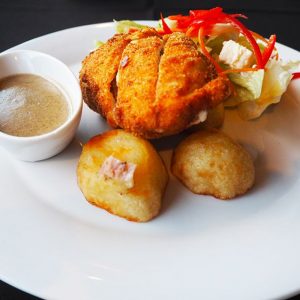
(31, 105)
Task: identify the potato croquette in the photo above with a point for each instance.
(122, 174)
(211, 163)
(150, 85)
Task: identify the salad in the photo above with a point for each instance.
(252, 63)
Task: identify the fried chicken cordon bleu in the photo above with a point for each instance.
(151, 85)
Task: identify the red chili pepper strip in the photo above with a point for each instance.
(206, 14)
(216, 15)
(250, 38)
(182, 21)
(204, 50)
(268, 50)
(259, 37)
(197, 19)
(296, 75)
(192, 31)
(165, 26)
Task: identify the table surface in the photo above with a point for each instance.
(23, 20)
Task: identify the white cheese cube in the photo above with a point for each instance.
(113, 168)
(235, 55)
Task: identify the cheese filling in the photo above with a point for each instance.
(200, 117)
(113, 168)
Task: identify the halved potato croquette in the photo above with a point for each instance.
(211, 163)
(123, 174)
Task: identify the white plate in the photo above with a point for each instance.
(55, 245)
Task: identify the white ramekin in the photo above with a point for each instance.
(46, 145)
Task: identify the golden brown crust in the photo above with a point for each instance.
(149, 85)
(139, 203)
(98, 72)
(210, 163)
(140, 72)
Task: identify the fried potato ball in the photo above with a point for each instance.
(211, 163)
(122, 174)
(151, 85)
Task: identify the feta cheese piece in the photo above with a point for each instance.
(113, 168)
(235, 55)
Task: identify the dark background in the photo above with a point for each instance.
(21, 20)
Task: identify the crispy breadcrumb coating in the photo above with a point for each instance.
(151, 85)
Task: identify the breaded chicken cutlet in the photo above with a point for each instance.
(151, 85)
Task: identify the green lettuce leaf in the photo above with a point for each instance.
(124, 26)
(276, 80)
(221, 33)
(248, 86)
(99, 43)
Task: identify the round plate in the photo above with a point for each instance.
(54, 244)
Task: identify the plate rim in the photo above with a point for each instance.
(105, 24)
